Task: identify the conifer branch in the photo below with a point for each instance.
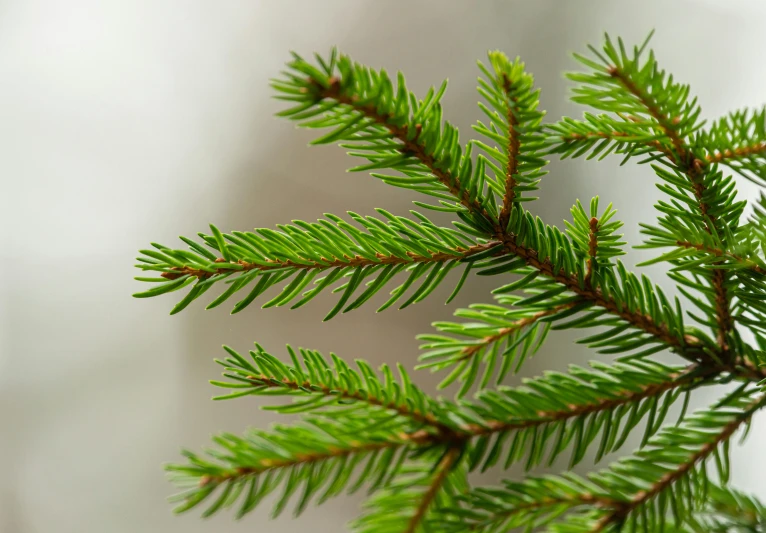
(592, 249)
(337, 387)
(665, 122)
(530, 503)
(618, 136)
(565, 501)
(737, 140)
(443, 423)
(515, 126)
(410, 144)
(442, 470)
(265, 465)
(336, 382)
(333, 92)
(688, 345)
(729, 507)
(403, 409)
(552, 410)
(691, 374)
(325, 252)
(683, 157)
(333, 89)
(740, 152)
(723, 310)
(459, 253)
(514, 146)
(471, 350)
(669, 478)
(414, 451)
(248, 468)
(743, 261)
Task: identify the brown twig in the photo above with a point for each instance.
(737, 153)
(747, 263)
(409, 146)
(442, 472)
(419, 437)
(592, 250)
(688, 376)
(356, 261)
(401, 408)
(572, 501)
(470, 351)
(514, 147)
(665, 122)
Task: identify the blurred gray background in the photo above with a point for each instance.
(123, 123)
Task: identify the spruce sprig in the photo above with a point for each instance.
(362, 427)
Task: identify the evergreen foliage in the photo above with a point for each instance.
(365, 428)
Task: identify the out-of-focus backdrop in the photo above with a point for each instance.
(123, 123)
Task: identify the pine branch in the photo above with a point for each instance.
(751, 292)
(552, 505)
(470, 351)
(515, 129)
(557, 412)
(442, 470)
(693, 167)
(625, 86)
(307, 247)
(557, 399)
(226, 267)
(723, 311)
(729, 508)
(682, 379)
(664, 480)
(332, 384)
(687, 343)
(344, 387)
(414, 451)
(410, 144)
(301, 251)
(532, 503)
(618, 515)
(592, 248)
(601, 135)
(245, 470)
(264, 381)
(699, 427)
(512, 150)
(264, 465)
(506, 338)
(594, 237)
(737, 140)
(740, 152)
(551, 261)
(514, 147)
(412, 497)
(732, 260)
(666, 123)
(644, 323)
(363, 105)
(648, 111)
(391, 128)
